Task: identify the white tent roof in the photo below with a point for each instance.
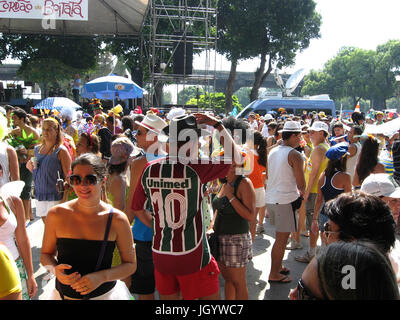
(106, 17)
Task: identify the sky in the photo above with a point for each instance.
(359, 23)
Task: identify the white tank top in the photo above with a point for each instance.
(7, 234)
(4, 164)
(352, 162)
(281, 183)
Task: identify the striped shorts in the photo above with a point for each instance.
(235, 250)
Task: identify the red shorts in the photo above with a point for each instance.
(192, 286)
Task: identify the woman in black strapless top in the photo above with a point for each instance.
(76, 230)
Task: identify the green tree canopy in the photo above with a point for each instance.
(217, 101)
(359, 74)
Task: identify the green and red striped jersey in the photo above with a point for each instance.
(175, 191)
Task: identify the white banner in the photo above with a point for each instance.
(44, 9)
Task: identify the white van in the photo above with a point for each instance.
(292, 105)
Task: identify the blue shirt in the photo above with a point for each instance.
(140, 231)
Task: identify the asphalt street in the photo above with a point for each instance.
(257, 270)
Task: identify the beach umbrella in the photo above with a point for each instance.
(56, 103)
(111, 87)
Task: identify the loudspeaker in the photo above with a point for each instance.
(183, 64)
(137, 76)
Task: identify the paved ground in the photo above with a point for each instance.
(257, 271)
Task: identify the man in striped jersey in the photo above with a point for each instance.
(174, 186)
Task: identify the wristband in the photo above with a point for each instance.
(233, 198)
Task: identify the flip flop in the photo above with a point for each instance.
(284, 271)
(281, 280)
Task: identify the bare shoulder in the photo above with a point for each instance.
(139, 163)
(59, 211)
(246, 185)
(294, 155)
(120, 218)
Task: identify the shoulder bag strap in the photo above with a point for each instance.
(103, 246)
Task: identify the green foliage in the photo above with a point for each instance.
(188, 93)
(359, 74)
(26, 141)
(216, 102)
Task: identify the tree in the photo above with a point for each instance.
(280, 28)
(65, 55)
(243, 95)
(217, 101)
(188, 93)
(359, 74)
(274, 30)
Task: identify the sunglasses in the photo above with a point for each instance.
(303, 292)
(89, 180)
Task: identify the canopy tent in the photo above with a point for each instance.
(105, 17)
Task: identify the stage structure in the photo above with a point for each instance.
(176, 31)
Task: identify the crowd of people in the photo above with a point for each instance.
(135, 204)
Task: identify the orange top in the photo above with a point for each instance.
(256, 175)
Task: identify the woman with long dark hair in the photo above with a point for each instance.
(80, 237)
(258, 177)
(368, 161)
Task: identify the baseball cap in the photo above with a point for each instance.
(381, 184)
(337, 151)
(319, 126)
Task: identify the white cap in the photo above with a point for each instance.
(319, 126)
(381, 184)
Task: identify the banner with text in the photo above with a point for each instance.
(44, 9)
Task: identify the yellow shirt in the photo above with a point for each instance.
(9, 275)
(322, 168)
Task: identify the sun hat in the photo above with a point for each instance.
(152, 123)
(319, 126)
(337, 151)
(123, 150)
(291, 126)
(175, 112)
(268, 116)
(381, 184)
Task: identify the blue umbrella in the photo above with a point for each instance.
(110, 87)
(56, 103)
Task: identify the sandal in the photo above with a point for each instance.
(284, 271)
(282, 280)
